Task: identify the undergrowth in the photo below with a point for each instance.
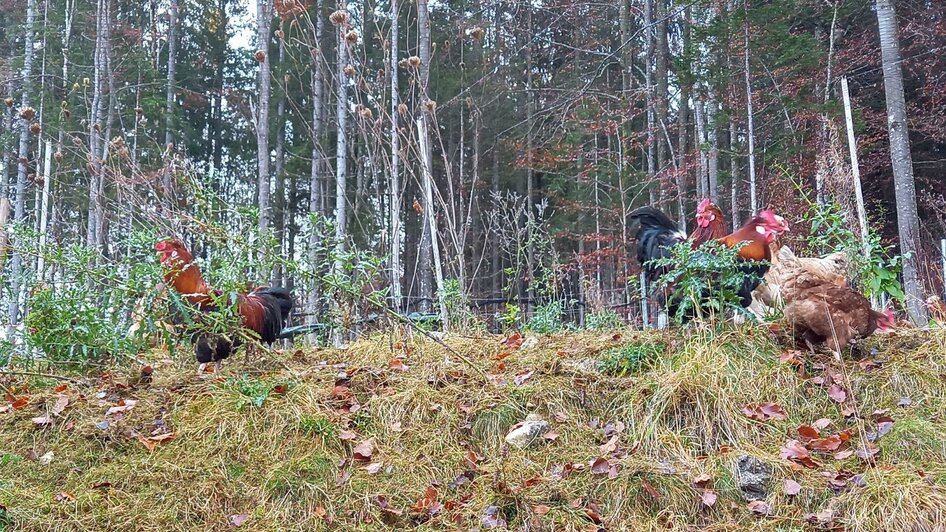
(396, 432)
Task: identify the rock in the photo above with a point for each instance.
(754, 477)
(582, 365)
(529, 343)
(528, 431)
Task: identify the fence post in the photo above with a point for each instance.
(644, 310)
(942, 251)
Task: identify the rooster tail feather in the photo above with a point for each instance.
(275, 305)
(656, 234)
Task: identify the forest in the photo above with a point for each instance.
(474, 214)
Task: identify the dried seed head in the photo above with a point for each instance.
(123, 152)
(367, 114)
(85, 82)
(477, 33)
(35, 128)
(8, 101)
(27, 113)
(351, 37)
(403, 63)
(38, 179)
(75, 86)
(58, 156)
(413, 61)
(280, 34)
(67, 113)
(260, 56)
(349, 70)
(118, 142)
(339, 17)
(402, 109)
(430, 106)
(77, 141)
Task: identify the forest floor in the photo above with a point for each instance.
(719, 430)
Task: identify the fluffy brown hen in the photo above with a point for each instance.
(831, 268)
(820, 311)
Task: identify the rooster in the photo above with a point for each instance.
(264, 311)
(819, 310)
(657, 233)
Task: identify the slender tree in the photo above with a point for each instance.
(264, 20)
(394, 181)
(901, 159)
(172, 65)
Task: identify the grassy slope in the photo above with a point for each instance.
(282, 464)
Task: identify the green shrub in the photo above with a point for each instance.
(630, 358)
(605, 319)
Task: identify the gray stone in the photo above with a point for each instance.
(523, 434)
(754, 477)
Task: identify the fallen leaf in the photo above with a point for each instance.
(796, 452)
(238, 519)
(821, 424)
(764, 412)
(61, 403)
(702, 481)
(501, 356)
(843, 455)
(650, 489)
(759, 507)
(551, 435)
(65, 496)
(709, 498)
(561, 417)
(20, 402)
(43, 421)
(102, 485)
(514, 340)
(61, 388)
(362, 452)
(169, 436)
(374, 467)
(280, 389)
(343, 477)
(837, 393)
(492, 518)
(847, 410)
(867, 452)
(600, 466)
(611, 445)
(123, 406)
(320, 512)
(397, 364)
(521, 378)
(541, 509)
(347, 435)
(807, 433)
(594, 516)
(791, 487)
(829, 444)
(150, 445)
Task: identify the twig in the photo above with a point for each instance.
(35, 374)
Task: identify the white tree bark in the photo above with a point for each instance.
(16, 263)
(901, 160)
(431, 219)
(172, 64)
(855, 167)
(750, 133)
(318, 162)
(341, 148)
(394, 181)
(264, 20)
(425, 256)
(96, 124)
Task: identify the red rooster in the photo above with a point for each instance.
(657, 233)
(263, 311)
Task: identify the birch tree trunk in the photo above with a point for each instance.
(318, 164)
(96, 124)
(750, 132)
(26, 115)
(341, 146)
(901, 160)
(425, 258)
(172, 64)
(264, 20)
(394, 181)
(7, 143)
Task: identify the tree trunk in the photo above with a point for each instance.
(172, 64)
(279, 214)
(532, 216)
(734, 171)
(21, 174)
(663, 52)
(712, 138)
(649, 85)
(7, 144)
(425, 258)
(431, 220)
(682, 126)
(394, 181)
(750, 132)
(901, 160)
(264, 20)
(96, 124)
(341, 148)
(318, 164)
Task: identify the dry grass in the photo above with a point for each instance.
(286, 464)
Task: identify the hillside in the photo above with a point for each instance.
(397, 431)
